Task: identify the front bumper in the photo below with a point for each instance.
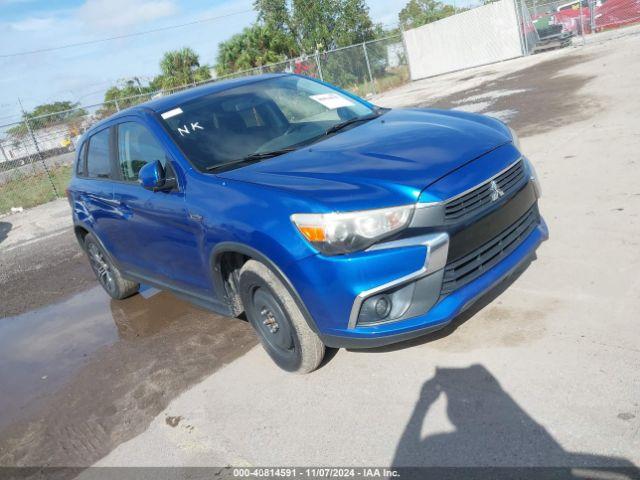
(445, 310)
(334, 288)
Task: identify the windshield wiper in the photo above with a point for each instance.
(339, 126)
(270, 154)
(249, 159)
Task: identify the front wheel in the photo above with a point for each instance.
(278, 321)
(107, 273)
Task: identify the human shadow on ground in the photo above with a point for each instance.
(492, 436)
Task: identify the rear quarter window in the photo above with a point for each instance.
(80, 166)
(99, 155)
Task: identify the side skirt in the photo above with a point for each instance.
(208, 303)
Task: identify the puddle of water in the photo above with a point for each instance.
(86, 374)
(40, 350)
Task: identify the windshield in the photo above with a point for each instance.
(274, 115)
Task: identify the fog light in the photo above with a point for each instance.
(386, 306)
(399, 303)
(382, 307)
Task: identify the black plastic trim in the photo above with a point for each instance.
(93, 233)
(202, 301)
(212, 303)
(334, 341)
(234, 247)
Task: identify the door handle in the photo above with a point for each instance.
(195, 217)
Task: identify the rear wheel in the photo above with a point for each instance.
(278, 321)
(107, 274)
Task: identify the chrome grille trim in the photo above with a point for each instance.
(470, 202)
(451, 199)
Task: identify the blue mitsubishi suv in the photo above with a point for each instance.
(327, 220)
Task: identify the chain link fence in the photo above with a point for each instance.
(529, 34)
(37, 153)
(35, 159)
(365, 69)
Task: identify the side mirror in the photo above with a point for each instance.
(153, 176)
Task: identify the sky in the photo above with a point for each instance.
(83, 73)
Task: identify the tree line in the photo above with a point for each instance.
(284, 29)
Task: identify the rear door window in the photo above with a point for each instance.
(136, 147)
(99, 155)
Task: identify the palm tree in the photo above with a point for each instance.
(182, 67)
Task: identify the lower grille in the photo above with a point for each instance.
(461, 271)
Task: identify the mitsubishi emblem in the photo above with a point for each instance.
(496, 193)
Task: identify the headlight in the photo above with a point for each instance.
(514, 138)
(337, 233)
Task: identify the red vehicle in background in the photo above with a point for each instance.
(607, 14)
(615, 13)
(302, 67)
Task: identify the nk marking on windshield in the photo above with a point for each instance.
(184, 130)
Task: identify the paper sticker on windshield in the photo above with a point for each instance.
(332, 100)
(171, 113)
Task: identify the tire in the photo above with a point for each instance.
(106, 272)
(279, 323)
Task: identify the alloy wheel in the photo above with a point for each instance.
(101, 267)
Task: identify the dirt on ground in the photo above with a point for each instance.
(533, 100)
(84, 375)
(43, 273)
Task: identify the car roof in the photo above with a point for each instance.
(164, 104)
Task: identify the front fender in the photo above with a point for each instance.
(236, 247)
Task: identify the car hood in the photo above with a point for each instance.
(386, 161)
